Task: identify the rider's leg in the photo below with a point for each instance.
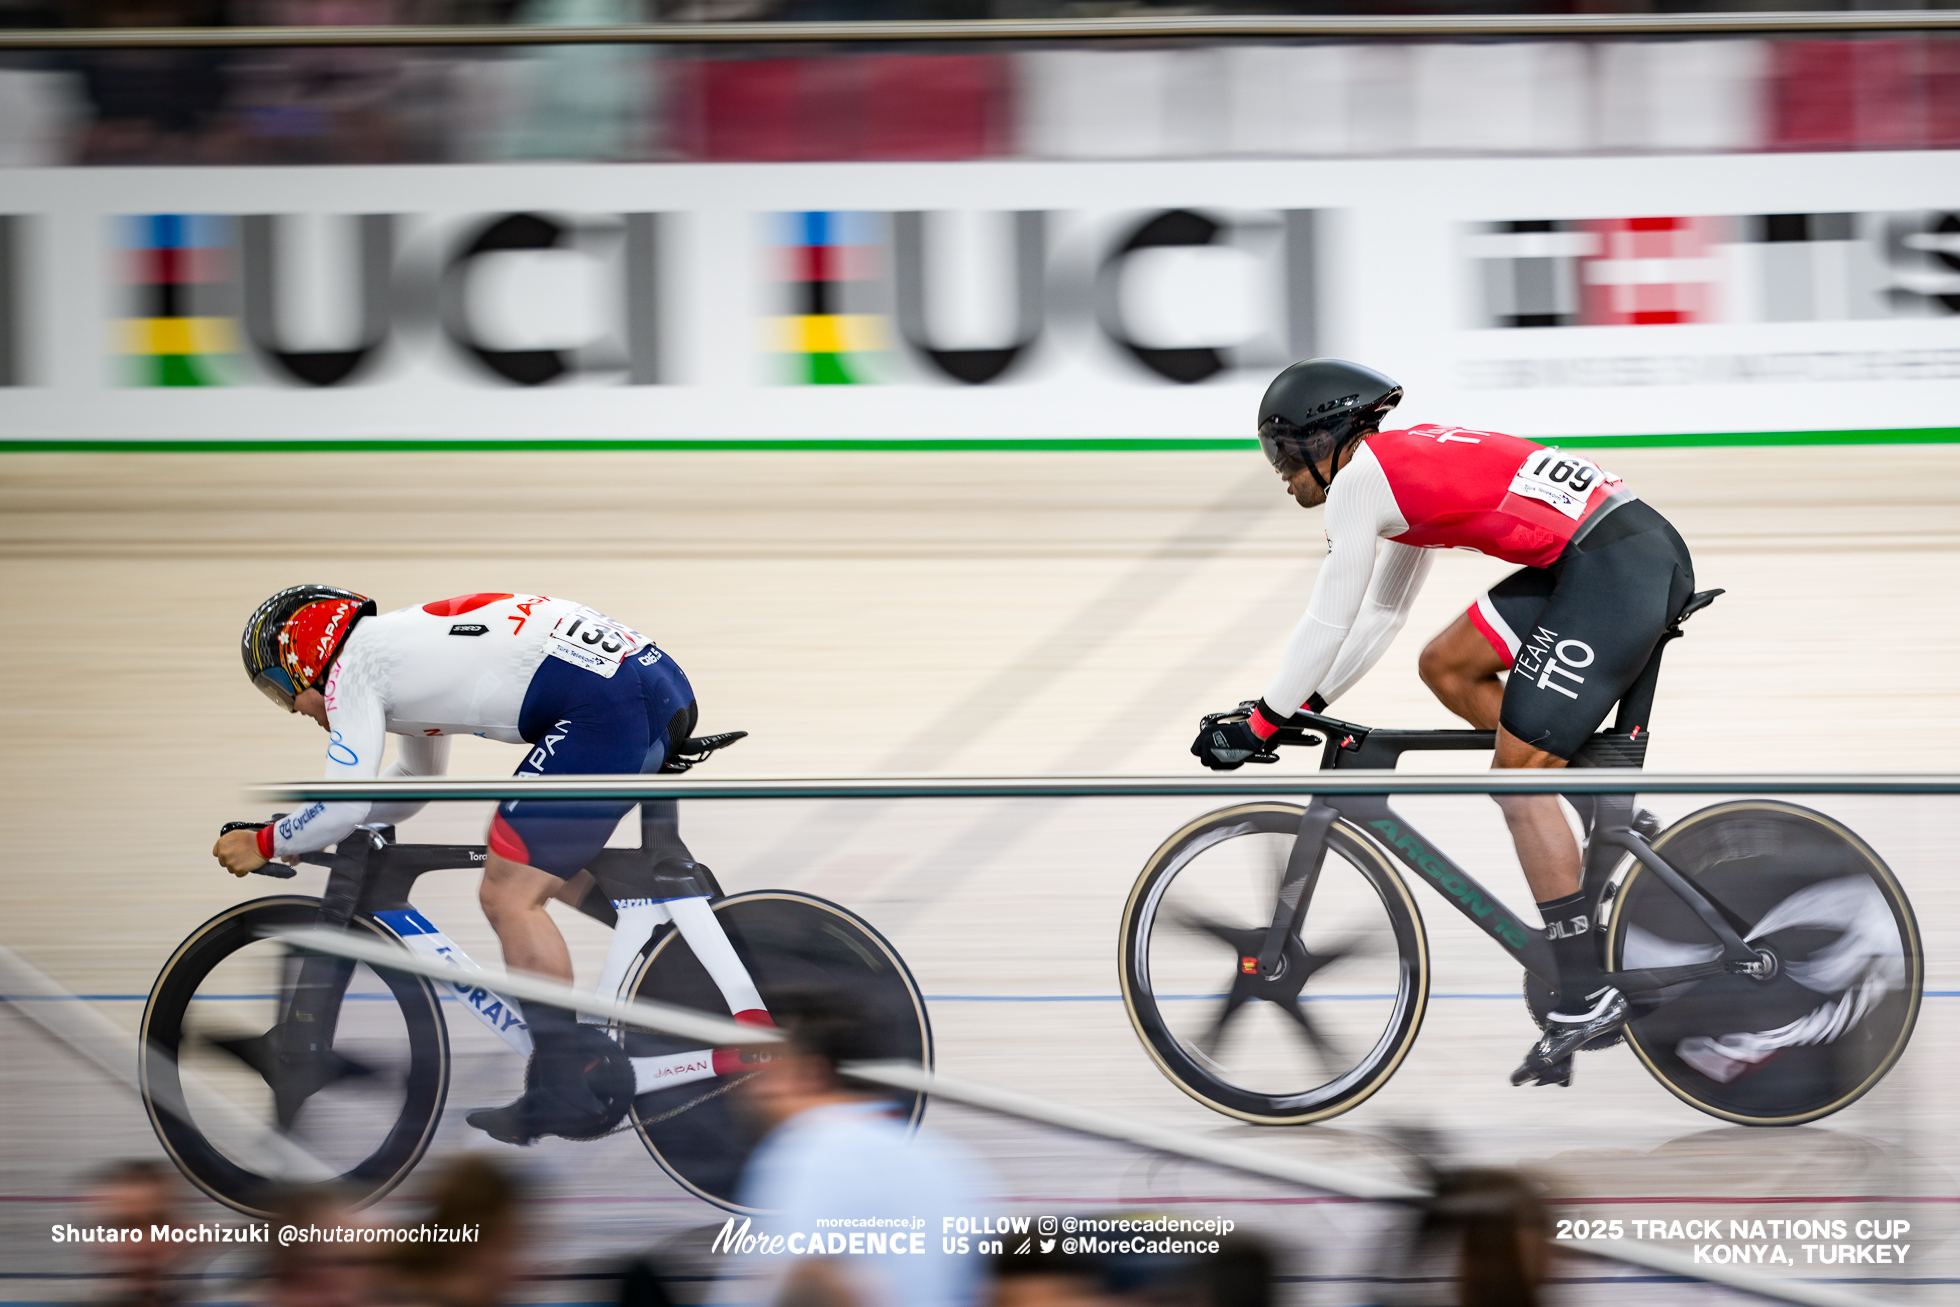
(1461, 668)
(1612, 597)
(513, 896)
(584, 894)
(1550, 857)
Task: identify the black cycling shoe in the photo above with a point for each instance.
(541, 1111)
(579, 1086)
(1550, 1060)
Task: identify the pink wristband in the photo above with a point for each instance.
(265, 842)
(1262, 728)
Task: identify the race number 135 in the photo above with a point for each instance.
(593, 641)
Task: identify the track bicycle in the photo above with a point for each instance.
(1771, 959)
(353, 1063)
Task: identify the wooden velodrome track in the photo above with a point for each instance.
(978, 613)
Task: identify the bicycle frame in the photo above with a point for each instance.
(1347, 746)
(1613, 836)
(369, 873)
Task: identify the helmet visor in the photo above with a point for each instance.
(1289, 448)
(275, 685)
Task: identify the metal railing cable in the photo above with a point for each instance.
(1195, 27)
(112, 1050)
(1239, 784)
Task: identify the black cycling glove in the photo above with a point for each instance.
(1229, 740)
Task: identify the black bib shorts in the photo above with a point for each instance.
(1578, 633)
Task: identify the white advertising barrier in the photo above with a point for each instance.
(975, 301)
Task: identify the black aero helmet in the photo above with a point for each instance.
(1318, 405)
(292, 638)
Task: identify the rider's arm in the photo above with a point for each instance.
(415, 755)
(357, 728)
(1399, 573)
(1361, 509)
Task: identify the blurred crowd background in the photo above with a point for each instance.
(827, 1148)
(945, 100)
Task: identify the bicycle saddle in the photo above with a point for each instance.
(695, 750)
(1697, 601)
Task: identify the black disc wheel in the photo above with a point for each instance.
(1837, 985)
(697, 1131)
(246, 1098)
(1335, 1018)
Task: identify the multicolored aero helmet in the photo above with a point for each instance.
(293, 638)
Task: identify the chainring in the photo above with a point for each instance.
(1539, 997)
(608, 1074)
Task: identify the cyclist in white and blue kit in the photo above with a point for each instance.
(589, 695)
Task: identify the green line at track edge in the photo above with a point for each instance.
(1898, 436)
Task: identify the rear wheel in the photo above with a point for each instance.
(1322, 1033)
(785, 940)
(358, 1114)
(1842, 967)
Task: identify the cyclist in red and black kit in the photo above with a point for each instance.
(1541, 658)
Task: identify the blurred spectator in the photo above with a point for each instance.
(834, 1155)
(1487, 1235)
(139, 1195)
(29, 13)
(1050, 1279)
(472, 1192)
(1240, 1274)
(319, 1273)
(579, 101)
(159, 106)
(321, 104)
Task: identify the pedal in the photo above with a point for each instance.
(1553, 1073)
(1550, 1060)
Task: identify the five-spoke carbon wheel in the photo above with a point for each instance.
(1333, 1020)
(695, 1131)
(245, 1107)
(1838, 983)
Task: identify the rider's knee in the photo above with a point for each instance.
(506, 892)
(1517, 807)
(1436, 667)
(494, 897)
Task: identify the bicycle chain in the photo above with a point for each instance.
(629, 1123)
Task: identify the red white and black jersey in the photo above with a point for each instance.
(456, 666)
(1429, 487)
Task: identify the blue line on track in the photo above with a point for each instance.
(930, 998)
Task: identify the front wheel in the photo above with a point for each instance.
(1840, 972)
(785, 940)
(247, 1102)
(1329, 1026)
